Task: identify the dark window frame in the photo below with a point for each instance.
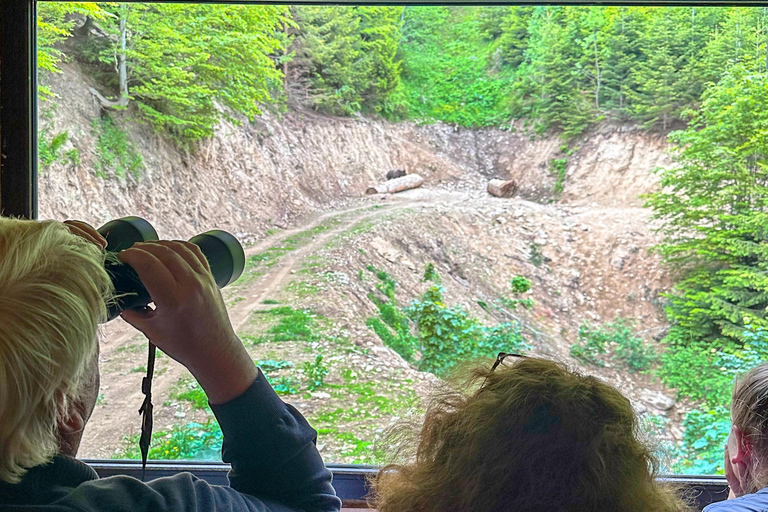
(18, 197)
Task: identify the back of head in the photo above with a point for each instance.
(749, 412)
(533, 437)
(53, 288)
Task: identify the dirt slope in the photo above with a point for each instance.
(292, 188)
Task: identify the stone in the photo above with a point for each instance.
(657, 400)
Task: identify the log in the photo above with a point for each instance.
(397, 185)
(501, 188)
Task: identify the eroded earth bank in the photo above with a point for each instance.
(292, 186)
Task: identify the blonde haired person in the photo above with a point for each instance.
(532, 437)
(53, 289)
(746, 452)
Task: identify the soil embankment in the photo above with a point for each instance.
(292, 188)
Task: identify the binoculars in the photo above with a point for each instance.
(224, 253)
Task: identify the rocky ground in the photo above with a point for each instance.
(291, 187)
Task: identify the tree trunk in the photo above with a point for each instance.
(597, 71)
(121, 67)
(501, 188)
(396, 185)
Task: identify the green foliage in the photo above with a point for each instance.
(49, 149)
(448, 335)
(271, 365)
(116, 153)
(315, 372)
(449, 72)
(705, 435)
(519, 286)
(184, 59)
(284, 385)
(430, 273)
(194, 394)
(193, 441)
(346, 56)
(714, 208)
(54, 24)
(558, 167)
(707, 374)
(392, 325)
(626, 347)
(293, 324)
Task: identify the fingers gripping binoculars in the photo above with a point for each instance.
(224, 253)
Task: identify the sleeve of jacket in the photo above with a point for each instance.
(275, 468)
(272, 451)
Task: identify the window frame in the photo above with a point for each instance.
(18, 197)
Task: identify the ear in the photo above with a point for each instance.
(741, 452)
(71, 429)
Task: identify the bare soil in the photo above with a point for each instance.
(301, 177)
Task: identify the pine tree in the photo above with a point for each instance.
(714, 208)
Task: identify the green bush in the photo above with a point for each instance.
(447, 336)
(284, 385)
(49, 149)
(315, 372)
(701, 450)
(627, 348)
(116, 153)
(558, 168)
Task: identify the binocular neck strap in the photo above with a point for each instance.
(146, 409)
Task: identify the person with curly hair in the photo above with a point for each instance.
(533, 436)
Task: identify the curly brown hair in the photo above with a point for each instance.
(533, 437)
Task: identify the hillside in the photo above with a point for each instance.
(291, 186)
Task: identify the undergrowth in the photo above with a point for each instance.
(432, 335)
(116, 153)
(618, 336)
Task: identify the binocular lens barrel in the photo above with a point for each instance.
(224, 253)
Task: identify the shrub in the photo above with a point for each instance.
(315, 373)
(49, 149)
(701, 450)
(115, 150)
(629, 348)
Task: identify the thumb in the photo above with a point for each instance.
(140, 318)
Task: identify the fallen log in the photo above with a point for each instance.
(501, 188)
(396, 185)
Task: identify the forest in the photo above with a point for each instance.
(699, 74)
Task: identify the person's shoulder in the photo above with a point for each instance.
(756, 502)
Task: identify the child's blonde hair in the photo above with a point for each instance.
(53, 289)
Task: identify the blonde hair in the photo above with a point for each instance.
(534, 436)
(749, 412)
(53, 289)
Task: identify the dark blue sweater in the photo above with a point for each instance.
(275, 468)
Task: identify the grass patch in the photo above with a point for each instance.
(269, 301)
(302, 288)
(133, 348)
(292, 325)
(191, 392)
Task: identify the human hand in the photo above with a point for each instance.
(190, 321)
(84, 230)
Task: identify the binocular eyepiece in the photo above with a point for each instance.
(224, 253)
